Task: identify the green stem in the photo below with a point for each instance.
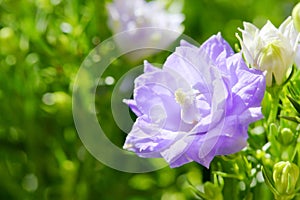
(284, 197)
(274, 104)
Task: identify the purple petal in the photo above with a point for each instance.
(226, 138)
(148, 103)
(147, 140)
(251, 83)
(132, 104)
(149, 68)
(216, 46)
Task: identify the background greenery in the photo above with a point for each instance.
(42, 45)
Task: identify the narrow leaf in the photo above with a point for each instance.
(295, 103)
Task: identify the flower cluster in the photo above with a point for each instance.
(201, 103)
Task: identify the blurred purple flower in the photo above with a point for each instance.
(135, 15)
(197, 106)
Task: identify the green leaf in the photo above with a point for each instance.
(269, 181)
(295, 103)
(293, 119)
(290, 75)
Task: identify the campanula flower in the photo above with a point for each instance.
(270, 49)
(135, 16)
(197, 106)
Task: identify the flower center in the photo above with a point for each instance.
(180, 96)
(187, 101)
(186, 97)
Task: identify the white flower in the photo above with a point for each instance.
(270, 49)
(296, 16)
(136, 17)
(296, 19)
(297, 57)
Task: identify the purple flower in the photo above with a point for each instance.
(197, 106)
(131, 14)
(142, 21)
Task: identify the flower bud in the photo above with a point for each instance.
(285, 176)
(270, 49)
(212, 191)
(296, 16)
(274, 129)
(286, 136)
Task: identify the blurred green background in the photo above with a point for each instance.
(42, 45)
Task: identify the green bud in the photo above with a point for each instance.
(286, 136)
(274, 129)
(212, 191)
(296, 16)
(285, 176)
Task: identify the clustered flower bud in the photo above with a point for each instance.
(285, 176)
(286, 136)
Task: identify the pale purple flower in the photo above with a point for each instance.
(134, 15)
(197, 106)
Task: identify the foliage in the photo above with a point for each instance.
(42, 45)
